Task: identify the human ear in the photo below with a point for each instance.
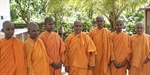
(2, 30)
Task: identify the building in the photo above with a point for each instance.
(4, 11)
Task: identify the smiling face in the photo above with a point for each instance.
(139, 28)
(77, 27)
(8, 29)
(33, 30)
(119, 25)
(100, 22)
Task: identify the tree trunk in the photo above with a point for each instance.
(112, 21)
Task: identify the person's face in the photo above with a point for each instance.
(33, 32)
(49, 26)
(8, 30)
(100, 22)
(119, 26)
(139, 29)
(77, 27)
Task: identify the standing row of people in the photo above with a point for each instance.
(98, 52)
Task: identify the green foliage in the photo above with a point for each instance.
(111, 9)
(131, 18)
(65, 12)
(26, 11)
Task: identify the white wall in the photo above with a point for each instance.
(4, 11)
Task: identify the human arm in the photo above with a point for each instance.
(28, 52)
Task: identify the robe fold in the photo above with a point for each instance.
(102, 41)
(120, 52)
(12, 57)
(80, 52)
(55, 48)
(37, 58)
(140, 45)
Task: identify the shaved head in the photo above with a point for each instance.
(33, 30)
(31, 25)
(119, 20)
(8, 29)
(100, 21)
(139, 27)
(140, 23)
(7, 23)
(100, 17)
(49, 24)
(119, 25)
(47, 20)
(77, 22)
(77, 27)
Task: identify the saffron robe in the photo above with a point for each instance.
(120, 52)
(102, 41)
(55, 48)
(80, 52)
(140, 45)
(12, 57)
(37, 59)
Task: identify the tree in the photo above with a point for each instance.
(131, 18)
(28, 10)
(59, 10)
(111, 9)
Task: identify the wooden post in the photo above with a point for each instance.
(148, 21)
(19, 36)
(146, 18)
(25, 36)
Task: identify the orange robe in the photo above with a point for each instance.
(80, 52)
(37, 59)
(12, 57)
(102, 41)
(140, 45)
(120, 52)
(55, 48)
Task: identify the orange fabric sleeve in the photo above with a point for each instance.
(129, 57)
(67, 43)
(92, 57)
(149, 56)
(91, 34)
(66, 62)
(130, 50)
(149, 49)
(50, 61)
(111, 49)
(41, 37)
(62, 48)
(28, 51)
(112, 55)
(92, 51)
(92, 60)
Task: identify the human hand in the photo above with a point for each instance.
(116, 64)
(54, 65)
(146, 60)
(59, 64)
(67, 69)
